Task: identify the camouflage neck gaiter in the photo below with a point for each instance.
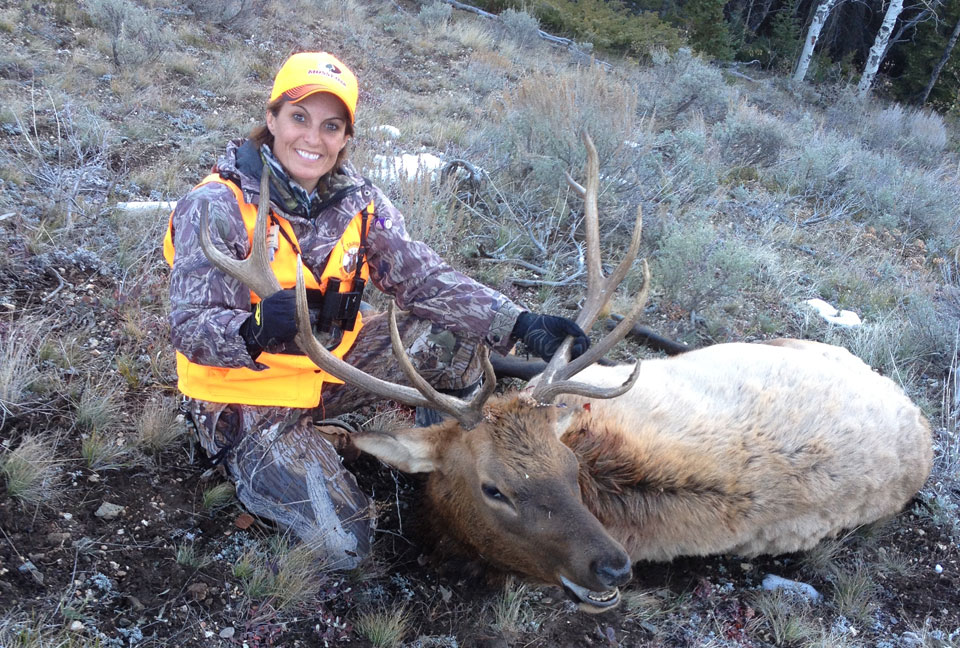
(284, 191)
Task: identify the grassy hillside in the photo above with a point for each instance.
(757, 196)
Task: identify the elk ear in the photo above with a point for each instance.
(409, 450)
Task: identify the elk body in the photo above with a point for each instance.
(743, 449)
(735, 448)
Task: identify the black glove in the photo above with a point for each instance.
(543, 334)
(272, 322)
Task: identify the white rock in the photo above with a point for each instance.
(76, 626)
(227, 633)
(839, 317)
(772, 582)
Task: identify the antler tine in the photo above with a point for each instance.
(597, 288)
(554, 379)
(468, 413)
(550, 391)
(600, 349)
(254, 272)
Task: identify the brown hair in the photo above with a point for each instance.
(261, 134)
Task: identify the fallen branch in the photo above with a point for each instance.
(649, 338)
(566, 43)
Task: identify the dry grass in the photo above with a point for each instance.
(160, 425)
(104, 451)
(218, 496)
(854, 590)
(786, 618)
(510, 610)
(188, 556)
(384, 628)
(284, 576)
(31, 471)
(18, 366)
(98, 406)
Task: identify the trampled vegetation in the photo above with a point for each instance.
(758, 195)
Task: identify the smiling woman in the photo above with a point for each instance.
(250, 391)
(308, 137)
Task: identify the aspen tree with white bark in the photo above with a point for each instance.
(939, 66)
(816, 25)
(879, 47)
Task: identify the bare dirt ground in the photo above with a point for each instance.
(120, 577)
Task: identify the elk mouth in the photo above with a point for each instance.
(589, 600)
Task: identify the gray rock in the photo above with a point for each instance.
(227, 633)
(772, 582)
(108, 511)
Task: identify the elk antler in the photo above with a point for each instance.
(255, 273)
(555, 379)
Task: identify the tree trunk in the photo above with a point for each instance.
(816, 24)
(939, 66)
(761, 15)
(879, 46)
(911, 23)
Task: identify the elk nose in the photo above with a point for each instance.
(612, 570)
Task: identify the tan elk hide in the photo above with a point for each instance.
(735, 448)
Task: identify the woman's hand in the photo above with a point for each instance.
(272, 322)
(543, 334)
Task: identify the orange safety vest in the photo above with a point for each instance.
(289, 380)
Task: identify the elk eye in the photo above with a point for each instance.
(493, 493)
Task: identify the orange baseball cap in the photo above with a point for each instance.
(307, 73)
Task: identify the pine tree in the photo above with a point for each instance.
(709, 32)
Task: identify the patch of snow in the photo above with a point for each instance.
(839, 317)
(407, 166)
(390, 131)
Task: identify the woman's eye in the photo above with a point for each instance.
(493, 493)
(332, 127)
(297, 117)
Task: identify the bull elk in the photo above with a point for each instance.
(735, 448)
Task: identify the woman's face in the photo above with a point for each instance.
(308, 136)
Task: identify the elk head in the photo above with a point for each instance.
(501, 482)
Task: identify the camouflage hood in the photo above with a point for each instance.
(244, 164)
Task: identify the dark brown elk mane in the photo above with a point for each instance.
(619, 481)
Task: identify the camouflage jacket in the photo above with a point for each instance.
(208, 307)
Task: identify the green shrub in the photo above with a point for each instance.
(608, 25)
(434, 15)
(240, 14)
(684, 85)
(520, 28)
(697, 268)
(748, 137)
(136, 34)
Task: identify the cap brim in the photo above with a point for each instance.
(302, 92)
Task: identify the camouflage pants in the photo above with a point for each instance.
(285, 471)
